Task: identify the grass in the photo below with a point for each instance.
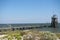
(58, 35)
(12, 35)
(31, 35)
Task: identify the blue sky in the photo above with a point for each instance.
(28, 11)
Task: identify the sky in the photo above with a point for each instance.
(28, 11)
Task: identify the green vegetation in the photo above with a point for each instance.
(31, 35)
(13, 35)
(41, 35)
(58, 35)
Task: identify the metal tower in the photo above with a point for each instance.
(54, 22)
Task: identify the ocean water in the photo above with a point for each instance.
(51, 29)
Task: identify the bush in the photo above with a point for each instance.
(13, 35)
(39, 36)
(58, 35)
(31, 35)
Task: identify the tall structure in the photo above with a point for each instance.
(54, 22)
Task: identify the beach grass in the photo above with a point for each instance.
(30, 35)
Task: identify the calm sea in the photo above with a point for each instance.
(57, 29)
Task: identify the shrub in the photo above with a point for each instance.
(39, 36)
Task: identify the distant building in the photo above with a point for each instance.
(54, 22)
